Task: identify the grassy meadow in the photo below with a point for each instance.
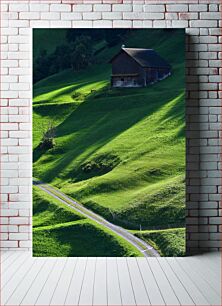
(168, 242)
(119, 152)
(59, 231)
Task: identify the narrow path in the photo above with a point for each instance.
(146, 249)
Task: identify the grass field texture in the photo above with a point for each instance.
(59, 231)
(120, 152)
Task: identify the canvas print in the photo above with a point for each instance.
(108, 142)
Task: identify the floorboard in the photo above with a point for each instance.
(189, 284)
(47, 291)
(113, 285)
(86, 294)
(138, 285)
(165, 286)
(100, 283)
(205, 288)
(152, 287)
(126, 289)
(26, 280)
(75, 286)
(63, 284)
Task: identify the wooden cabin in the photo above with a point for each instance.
(132, 67)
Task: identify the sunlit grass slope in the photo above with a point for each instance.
(59, 231)
(120, 152)
(169, 242)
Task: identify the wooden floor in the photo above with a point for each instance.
(110, 281)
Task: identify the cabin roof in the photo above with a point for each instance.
(147, 58)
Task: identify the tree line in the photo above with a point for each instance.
(76, 52)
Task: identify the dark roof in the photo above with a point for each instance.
(145, 57)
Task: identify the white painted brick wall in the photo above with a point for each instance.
(201, 18)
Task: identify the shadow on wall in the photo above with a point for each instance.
(193, 171)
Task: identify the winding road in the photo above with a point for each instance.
(146, 249)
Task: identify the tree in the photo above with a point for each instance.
(48, 138)
(82, 53)
(114, 36)
(41, 66)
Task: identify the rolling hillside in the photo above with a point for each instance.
(59, 231)
(120, 152)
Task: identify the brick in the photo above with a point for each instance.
(29, 15)
(188, 16)
(39, 23)
(200, 236)
(135, 15)
(19, 118)
(82, 8)
(18, 23)
(19, 102)
(210, 244)
(18, 149)
(3, 220)
(92, 15)
(60, 24)
(9, 173)
(9, 126)
(19, 220)
(102, 7)
(19, 71)
(60, 8)
(9, 212)
(9, 31)
(25, 244)
(208, 213)
(36, 7)
(102, 23)
(208, 16)
(4, 7)
(82, 24)
(215, 63)
(9, 244)
(18, 236)
(203, 23)
(9, 63)
(215, 31)
(197, 7)
(71, 16)
(171, 16)
(154, 8)
(137, 7)
(21, 7)
(122, 24)
(137, 23)
(112, 15)
(9, 142)
(9, 228)
(24, 229)
(177, 8)
(24, 213)
(215, 236)
(213, 7)
(180, 23)
(122, 7)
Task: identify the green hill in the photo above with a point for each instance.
(120, 152)
(59, 231)
(168, 242)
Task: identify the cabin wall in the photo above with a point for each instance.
(124, 64)
(156, 74)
